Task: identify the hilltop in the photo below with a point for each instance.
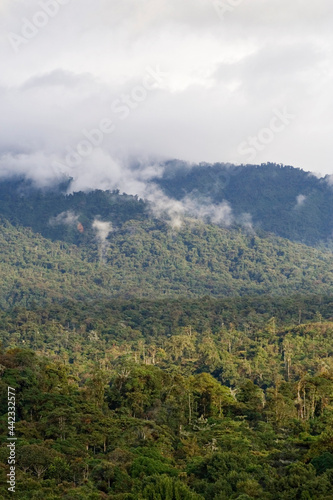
(279, 199)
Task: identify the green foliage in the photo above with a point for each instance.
(323, 463)
(127, 390)
(148, 259)
(164, 488)
(216, 411)
(61, 257)
(267, 192)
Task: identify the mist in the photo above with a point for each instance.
(100, 84)
(102, 230)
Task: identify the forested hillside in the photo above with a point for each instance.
(33, 269)
(161, 361)
(56, 215)
(210, 399)
(150, 259)
(280, 199)
(277, 199)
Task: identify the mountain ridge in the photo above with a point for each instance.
(282, 200)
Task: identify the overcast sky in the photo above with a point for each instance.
(231, 81)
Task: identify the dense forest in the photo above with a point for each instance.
(279, 199)
(207, 399)
(282, 200)
(149, 259)
(153, 361)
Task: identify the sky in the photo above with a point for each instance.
(89, 88)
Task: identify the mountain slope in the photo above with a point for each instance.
(286, 201)
(149, 259)
(56, 215)
(33, 269)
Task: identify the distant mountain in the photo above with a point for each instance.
(282, 200)
(279, 199)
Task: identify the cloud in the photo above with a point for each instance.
(300, 200)
(224, 79)
(103, 229)
(176, 212)
(58, 78)
(329, 179)
(245, 220)
(67, 218)
(36, 166)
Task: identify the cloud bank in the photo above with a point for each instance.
(88, 86)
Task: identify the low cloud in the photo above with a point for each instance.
(245, 220)
(300, 200)
(103, 229)
(68, 218)
(224, 79)
(329, 180)
(176, 212)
